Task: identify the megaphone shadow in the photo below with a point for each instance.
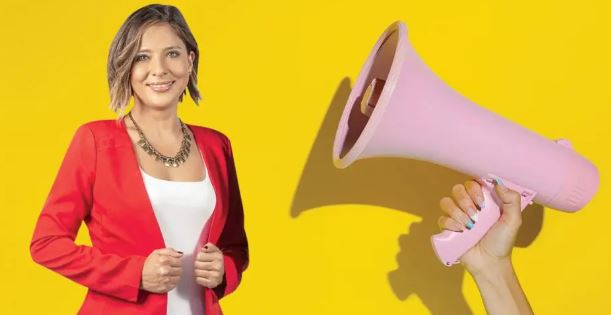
(406, 185)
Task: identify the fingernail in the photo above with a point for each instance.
(471, 212)
(499, 181)
(469, 225)
(474, 217)
(482, 204)
(501, 186)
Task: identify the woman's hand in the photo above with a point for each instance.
(209, 266)
(162, 270)
(489, 261)
(461, 211)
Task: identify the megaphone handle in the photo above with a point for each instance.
(449, 246)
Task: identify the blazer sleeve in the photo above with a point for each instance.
(233, 242)
(67, 205)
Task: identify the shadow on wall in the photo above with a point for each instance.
(406, 185)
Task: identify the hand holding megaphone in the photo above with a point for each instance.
(493, 197)
(462, 210)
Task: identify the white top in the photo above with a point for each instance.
(182, 209)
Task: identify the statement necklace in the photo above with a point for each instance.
(174, 161)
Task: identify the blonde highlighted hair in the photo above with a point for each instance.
(125, 46)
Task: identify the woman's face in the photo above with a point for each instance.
(161, 68)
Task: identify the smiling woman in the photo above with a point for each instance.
(160, 197)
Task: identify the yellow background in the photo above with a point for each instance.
(274, 75)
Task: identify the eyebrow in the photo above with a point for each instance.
(167, 48)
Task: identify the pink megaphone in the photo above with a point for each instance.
(400, 108)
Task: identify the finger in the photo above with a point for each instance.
(480, 181)
(511, 208)
(210, 248)
(204, 265)
(463, 200)
(452, 210)
(205, 282)
(209, 257)
(447, 223)
(208, 274)
(474, 189)
(171, 282)
(168, 271)
(169, 252)
(215, 265)
(175, 272)
(170, 261)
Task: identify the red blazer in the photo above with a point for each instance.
(99, 182)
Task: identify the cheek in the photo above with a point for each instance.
(138, 75)
(180, 70)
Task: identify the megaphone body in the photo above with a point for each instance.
(400, 108)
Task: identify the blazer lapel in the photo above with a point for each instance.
(214, 226)
(132, 177)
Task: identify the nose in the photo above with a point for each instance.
(158, 67)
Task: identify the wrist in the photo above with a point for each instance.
(500, 289)
(497, 276)
(492, 269)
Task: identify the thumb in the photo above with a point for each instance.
(511, 209)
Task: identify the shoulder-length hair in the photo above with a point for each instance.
(125, 46)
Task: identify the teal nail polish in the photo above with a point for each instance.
(469, 225)
(498, 181)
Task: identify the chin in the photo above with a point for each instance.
(159, 102)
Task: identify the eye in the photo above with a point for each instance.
(174, 54)
(140, 58)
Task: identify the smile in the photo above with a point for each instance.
(161, 86)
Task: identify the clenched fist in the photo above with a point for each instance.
(209, 266)
(162, 270)
(460, 213)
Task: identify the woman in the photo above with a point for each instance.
(160, 198)
(489, 261)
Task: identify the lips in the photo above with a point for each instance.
(161, 86)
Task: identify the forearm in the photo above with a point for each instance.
(501, 291)
(111, 274)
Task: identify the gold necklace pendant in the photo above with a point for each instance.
(173, 161)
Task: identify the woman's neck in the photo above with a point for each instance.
(157, 123)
